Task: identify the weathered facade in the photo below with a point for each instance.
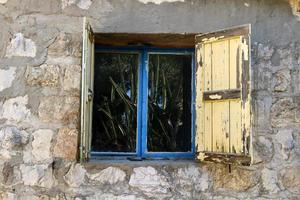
(40, 73)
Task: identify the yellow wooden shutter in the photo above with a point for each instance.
(223, 96)
(86, 90)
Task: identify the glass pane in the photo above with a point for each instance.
(169, 103)
(115, 102)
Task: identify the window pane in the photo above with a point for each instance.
(115, 102)
(169, 103)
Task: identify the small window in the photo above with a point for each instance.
(169, 103)
(142, 102)
(114, 126)
(167, 96)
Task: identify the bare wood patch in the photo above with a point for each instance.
(221, 95)
(226, 158)
(222, 34)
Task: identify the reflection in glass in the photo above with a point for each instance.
(115, 102)
(169, 108)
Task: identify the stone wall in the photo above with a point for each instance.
(40, 57)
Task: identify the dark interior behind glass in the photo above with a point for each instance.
(114, 123)
(115, 102)
(169, 103)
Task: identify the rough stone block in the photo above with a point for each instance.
(76, 176)
(45, 75)
(37, 6)
(191, 178)
(109, 196)
(262, 77)
(264, 51)
(59, 109)
(65, 45)
(263, 105)
(269, 181)
(41, 145)
(110, 175)
(149, 181)
(283, 112)
(11, 138)
(66, 144)
(9, 196)
(290, 178)
(20, 46)
(264, 148)
(7, 77)
(15, 109)
(286, 58)
(286, 141)
(7, 173)
(72, 79)
(295, 82)
(37, 175)
(159, 1)
(83, 4)
(282, 80)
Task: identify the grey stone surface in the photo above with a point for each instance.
(286, 142)
(110, 175)
(148, 180)
(283, 112)
(269, 181)
(83, 4)
(264, 148)
(21, 46)
(7, 77)
(41, 145)
(290, 178)
(37, 175)
(282, 80)
(15, 109)
(76, 176)
(191, 177)
(11, 142)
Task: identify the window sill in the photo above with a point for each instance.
(103, 163)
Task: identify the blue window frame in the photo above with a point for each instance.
(142, 107)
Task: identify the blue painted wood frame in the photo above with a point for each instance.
(142, 113)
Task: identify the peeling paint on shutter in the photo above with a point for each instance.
(223, 116)
(86, 90)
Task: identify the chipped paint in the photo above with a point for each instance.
(215, 96)
(244, 48)
(201, 156)
(212, 39)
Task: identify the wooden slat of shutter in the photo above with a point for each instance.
(223, 94)
(86, 90)
(208, 106)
